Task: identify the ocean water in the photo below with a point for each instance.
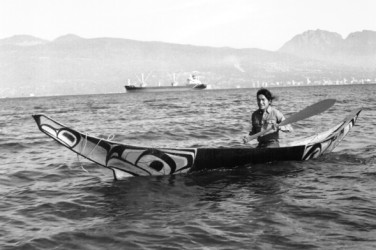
(52, 199)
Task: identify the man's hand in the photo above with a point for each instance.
(245, 139)
(275, 127)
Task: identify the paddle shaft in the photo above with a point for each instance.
(309, 111)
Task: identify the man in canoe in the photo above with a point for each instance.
(267, 118)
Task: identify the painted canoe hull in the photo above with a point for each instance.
(126, 160)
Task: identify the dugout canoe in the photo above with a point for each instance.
(127, 160)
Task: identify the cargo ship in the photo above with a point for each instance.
(193, 83)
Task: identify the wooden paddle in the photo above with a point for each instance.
(309, 111)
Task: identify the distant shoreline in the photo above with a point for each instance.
(202, 91)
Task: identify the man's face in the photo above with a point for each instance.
(262, 102)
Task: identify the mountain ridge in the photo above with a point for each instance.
(71, 64)
(330, 46)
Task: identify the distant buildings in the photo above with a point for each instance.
(309, 82)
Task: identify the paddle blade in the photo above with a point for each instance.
(309, 111)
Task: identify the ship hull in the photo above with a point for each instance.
(164, 88)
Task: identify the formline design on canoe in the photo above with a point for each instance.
(127, 160)
(314, 151)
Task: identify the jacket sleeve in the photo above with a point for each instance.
(253, 130)
(280, 118)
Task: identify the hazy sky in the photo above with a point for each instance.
(264, 24)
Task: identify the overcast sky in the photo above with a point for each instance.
(264, 24)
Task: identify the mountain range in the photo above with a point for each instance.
(74, 65)
(358, 49)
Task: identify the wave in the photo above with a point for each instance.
(363, 156)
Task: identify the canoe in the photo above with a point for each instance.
(127, 160)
